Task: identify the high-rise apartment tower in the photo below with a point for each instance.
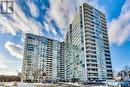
(43, 58)
(88, 32)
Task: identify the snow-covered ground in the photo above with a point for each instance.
(20, 84)
(11, 84)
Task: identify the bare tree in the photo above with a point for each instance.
(44, 76)
(35, 75)
(124, 73)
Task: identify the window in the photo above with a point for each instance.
(82, 48)
(83, 65)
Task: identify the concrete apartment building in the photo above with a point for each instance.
(84, 54)
(88, 31)
(41, 56)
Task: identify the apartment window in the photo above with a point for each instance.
(30, 37)
(83, 65)
(82, 48)
(109, 70)
(108, 62)
(108, 66)
(80, 61)
(107, 55)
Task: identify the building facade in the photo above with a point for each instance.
(41, 56)
(73, 62)
(88, 31)
(84, 54)
(61, 62)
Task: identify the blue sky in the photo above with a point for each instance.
(51, 18)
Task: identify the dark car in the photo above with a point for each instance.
(95, 82)
(124, 84)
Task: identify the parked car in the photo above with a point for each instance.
(95, 82)
(112, 83)
(124, 84)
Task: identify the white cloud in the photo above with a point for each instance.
(2, 65)
(19, 22)
(50, 28)
(33, 8)
(119, 29)
(7, 72)
(8, 66)
(62, 11)
(14, 49)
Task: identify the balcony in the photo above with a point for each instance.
(91, 54)
(90, 76)
(92, 66)
(89, 27)
(102, 16)
(103, 22)
(89, 37)
(88, 19)
(89, 49)
(105, 40)
(109, 65)
(90, 42)
(91, 62)
(104, 27)
(87, 9)
(92, 73)
(88, 30)
(90, 45)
